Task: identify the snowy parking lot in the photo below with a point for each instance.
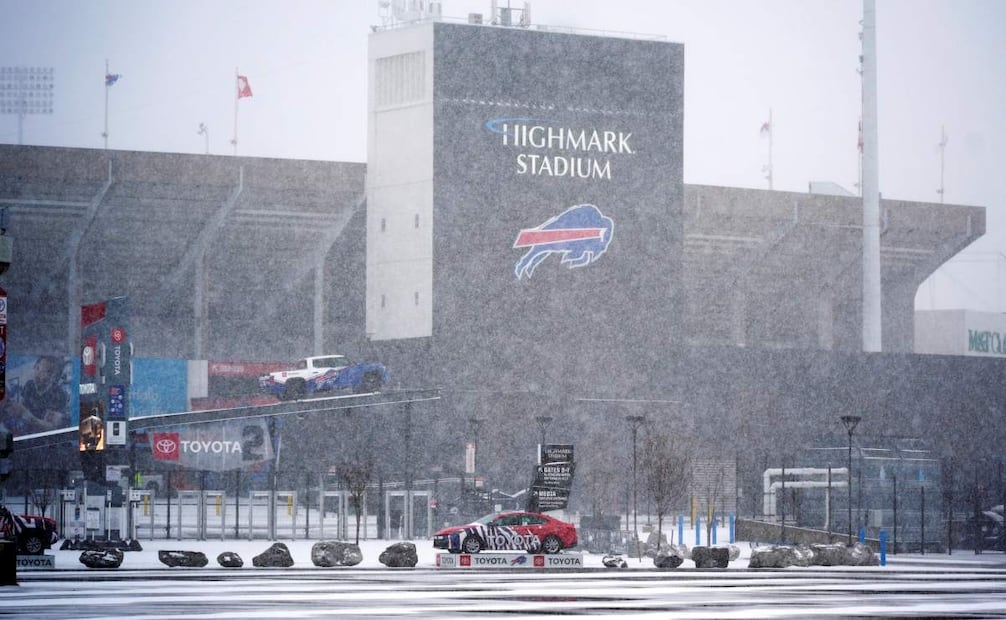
(959, 585)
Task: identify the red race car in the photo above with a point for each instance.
(510, 531)
(33, 535)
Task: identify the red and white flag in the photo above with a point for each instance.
(244, 88)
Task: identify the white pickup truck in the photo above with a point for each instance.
(323, 373)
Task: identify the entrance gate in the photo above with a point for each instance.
(140, 505)
(341, 502)
(408, 514)
(268, 510)
(190, 516)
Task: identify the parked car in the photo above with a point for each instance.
(986, 530)
(511, 531)
(322, 373)
(33, 534)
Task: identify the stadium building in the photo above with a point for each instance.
(521, 239)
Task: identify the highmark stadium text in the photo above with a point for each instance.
(519, 133)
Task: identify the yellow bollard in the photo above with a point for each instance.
(289, 505)
(220, 500)
(146, 504)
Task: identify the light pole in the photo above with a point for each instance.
(850, 422)
(476, 423)
(29, 90)
(635, 421)
(543, 422)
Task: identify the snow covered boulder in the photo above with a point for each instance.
(710, 557)
(399, 555)
(802, 555)
(614, 561)
(735, 552)
(669, 557)
(830, 555)
(652, 542)
(191, 559)
(109, 558)
(779, 556)
(329, 553)
(862, 555)
(229, 559)
(276, 556)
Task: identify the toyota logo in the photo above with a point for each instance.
(88, 356)
(166, 445)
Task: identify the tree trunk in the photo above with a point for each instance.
(356, 507)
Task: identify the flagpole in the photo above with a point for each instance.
(770, 129)
(943, 150)
(766, 128)
(237, 94)
(104, 134)
(205, 131)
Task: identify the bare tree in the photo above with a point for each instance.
(666, 464)
(356, 475)
(600, 476)
(602, 487)
(714, 494)
(43, 492)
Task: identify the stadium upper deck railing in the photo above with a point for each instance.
(533, 27)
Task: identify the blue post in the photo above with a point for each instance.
(698, 530)
(681, 529)
(733, 530)
(883, 548)
(716, 525)
(862, 534)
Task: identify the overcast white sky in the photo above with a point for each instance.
(941, 64)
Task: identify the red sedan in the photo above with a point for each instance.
(33, 534)
(510, 531)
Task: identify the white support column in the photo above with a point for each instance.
(73, 263)
(872, 311)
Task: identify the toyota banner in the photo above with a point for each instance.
(217, 446)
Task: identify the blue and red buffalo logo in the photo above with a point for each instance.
(579, 235)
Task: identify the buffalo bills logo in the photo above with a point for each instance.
(579, 235)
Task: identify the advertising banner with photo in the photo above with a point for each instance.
(39, 397)
(214, 446)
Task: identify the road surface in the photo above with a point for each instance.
(948, 590)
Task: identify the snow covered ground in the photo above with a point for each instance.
(371, 549)
(933, 585)
(301, 552)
